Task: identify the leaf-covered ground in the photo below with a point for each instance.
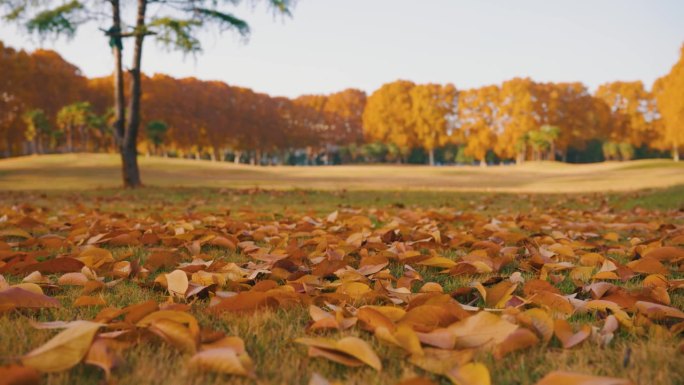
(202, 286)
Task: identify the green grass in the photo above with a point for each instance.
(90, 171)
(268, 335)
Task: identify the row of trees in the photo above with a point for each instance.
(48, 106)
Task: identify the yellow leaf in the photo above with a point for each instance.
(474, 373)
(481, 329)
(438, 262)
(568, 378)
(65, 350)
(28, 286)
(354, 289)
(223, 360)
(440, 361)
(538, 320)
(360, 349)
(176, 334)
(350, 351)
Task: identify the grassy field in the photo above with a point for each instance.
(86, 171)
(65, 192)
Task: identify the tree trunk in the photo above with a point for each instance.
(237, 156)
(129, 162)
(86, 138)
(119, 102)
(519, 158)
(431, 153)
(675, 152)
(483, 162)
(129, 151)
(69, 139)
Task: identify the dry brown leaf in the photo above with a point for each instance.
(16, 297)
(19, 375)
(657, 311)
(103, 355)
(567, 337)
(520, 339)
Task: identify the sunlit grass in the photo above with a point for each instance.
(269, 334)
(88, 171)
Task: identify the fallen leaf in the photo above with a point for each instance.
(474, 373)
(568, 378)
(177, 283)
(223, 360)
(19, 375)
(351, 351)
(15, 297)
(567, 337)
(65, 350)
(481, 330)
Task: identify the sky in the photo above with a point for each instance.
(329, 45)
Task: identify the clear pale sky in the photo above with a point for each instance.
(329, 45)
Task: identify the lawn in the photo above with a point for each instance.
(401, 265)
(88, 171)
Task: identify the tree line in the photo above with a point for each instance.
(47, 106)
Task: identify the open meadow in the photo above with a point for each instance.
(215, 273)
(90, 171)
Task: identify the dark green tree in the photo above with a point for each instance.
(176, 24)
(156, 133)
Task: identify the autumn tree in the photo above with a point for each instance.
(433, 115)
(518, 113)
(669, 91)
(478, 117)
(29, 81)
(175, 24)
(345, 111)
(633, 112)
(388, 116)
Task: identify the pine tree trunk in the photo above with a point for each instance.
(129, 153)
